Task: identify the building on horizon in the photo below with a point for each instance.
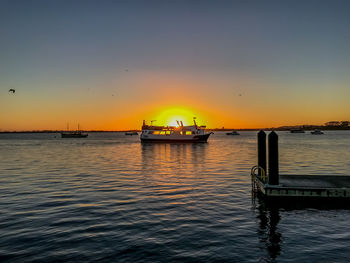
(337, 123)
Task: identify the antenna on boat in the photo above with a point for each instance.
(194, 120)
(178, 124)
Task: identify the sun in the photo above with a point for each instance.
(174, 121)
(169, 117)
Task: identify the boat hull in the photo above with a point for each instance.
(131, 133)
(169, 139)
(297, 131)
(63, 135)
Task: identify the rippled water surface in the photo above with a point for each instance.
(109, 198)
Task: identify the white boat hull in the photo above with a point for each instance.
(175, 138)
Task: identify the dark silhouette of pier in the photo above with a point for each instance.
(273, 185)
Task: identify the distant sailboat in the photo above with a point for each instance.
(73, 134)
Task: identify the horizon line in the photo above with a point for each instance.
(281, 128)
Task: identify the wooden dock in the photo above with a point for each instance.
(314, 186)
(271, 184)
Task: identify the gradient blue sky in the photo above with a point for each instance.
(110, 64)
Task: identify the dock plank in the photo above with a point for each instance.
(315, 181)
(306, 186)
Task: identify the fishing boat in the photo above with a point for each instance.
(297, 131)
(317, 132)
(180, 133)
(131, 133)
(232, 133)
(73, 134)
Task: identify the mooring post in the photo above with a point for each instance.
(262, 151)
(273, 158)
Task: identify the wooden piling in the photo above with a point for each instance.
(273, 158)
(262, 151)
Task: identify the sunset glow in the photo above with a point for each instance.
(170, 116)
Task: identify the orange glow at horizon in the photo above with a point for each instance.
(123, 104)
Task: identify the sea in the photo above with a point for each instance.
(111, 198)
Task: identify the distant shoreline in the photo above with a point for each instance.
(308, 128)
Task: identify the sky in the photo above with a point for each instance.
(108, 65)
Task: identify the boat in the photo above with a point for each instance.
(180, 133)
(317, 132)
(232, 133)
(73, 134)
(131, 133)
(297, 131)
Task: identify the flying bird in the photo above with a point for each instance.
(12, 90)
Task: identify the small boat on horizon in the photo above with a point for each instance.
(232, 133)
(317, 132)
(180, 133)
(297, 131)
(73, 134)
(131, 133)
